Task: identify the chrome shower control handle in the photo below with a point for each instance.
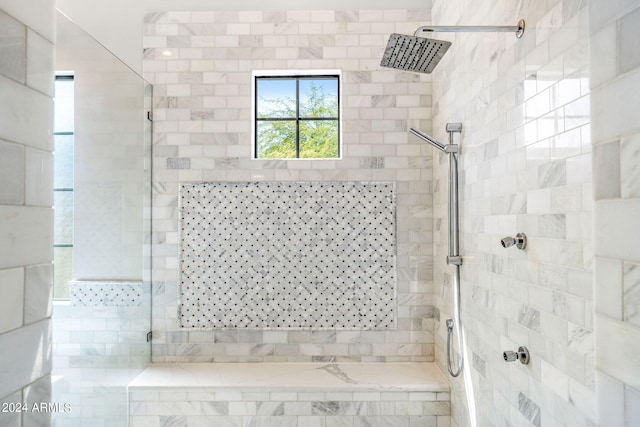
(510, 356)
(520, 241)
(522, 355)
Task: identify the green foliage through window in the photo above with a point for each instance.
(297, 117)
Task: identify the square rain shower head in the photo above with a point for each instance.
(411, 53)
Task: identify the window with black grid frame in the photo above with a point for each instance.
(63, 186)
(297, 116)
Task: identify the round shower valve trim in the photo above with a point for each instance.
(520, 241)
(521, 355)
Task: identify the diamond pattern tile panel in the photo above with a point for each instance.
(288, 255)
(106, 294)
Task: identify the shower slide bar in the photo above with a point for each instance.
(453, 258)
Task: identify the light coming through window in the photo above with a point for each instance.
(297, 116)
(63, 136)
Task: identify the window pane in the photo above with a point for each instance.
(318, 139)
(62, 272)
(276, 98)
(63, 106)
(63, 217)
(277, 140)
(319, 98)
(63, 161)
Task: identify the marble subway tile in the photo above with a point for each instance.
(529, 409)
(629, 167)
(611, 228)
(579, 169)
(12, 418)
(610, 400)
(19, 120)
(627, 45)
(436, 408)
(623, 337)
(38, 294)
(40, 63)
(12, 48)
(178, 163)
(33, 226)
(38, 393)
(631, 293)
(553, 226)
(632, 405)
(610, 107)
(552, 174)
(606, 170)
(12, 173)
(18, 370)
(12, 301)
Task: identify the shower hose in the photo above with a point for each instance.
(458, 332)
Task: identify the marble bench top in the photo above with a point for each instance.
(294, 376)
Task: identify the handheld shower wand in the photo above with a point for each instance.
(453, 258)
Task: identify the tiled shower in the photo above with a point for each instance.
(202, 134)
(549, 148)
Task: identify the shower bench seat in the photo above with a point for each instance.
(290, 394)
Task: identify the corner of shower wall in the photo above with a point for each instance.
(615, 73)
(525, 167)
(27, 46)
(202, 135)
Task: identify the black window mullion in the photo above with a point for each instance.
(286, 119)
(338, 120)
(255, 115)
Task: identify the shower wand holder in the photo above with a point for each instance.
(521, 355)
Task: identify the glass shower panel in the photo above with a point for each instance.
(100, 329)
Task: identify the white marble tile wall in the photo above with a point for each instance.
(288, 409)
(98, 347)
(615, 77)
(401, 395)
(26, 84)
(525, 167)
(202, 101)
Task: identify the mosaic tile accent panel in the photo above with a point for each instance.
(106, 294)
(288, 255)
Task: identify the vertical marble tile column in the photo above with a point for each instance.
(525, 167)
(615, 70)
(26, 85)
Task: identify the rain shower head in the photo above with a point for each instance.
(411, 53)
(421, 55)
